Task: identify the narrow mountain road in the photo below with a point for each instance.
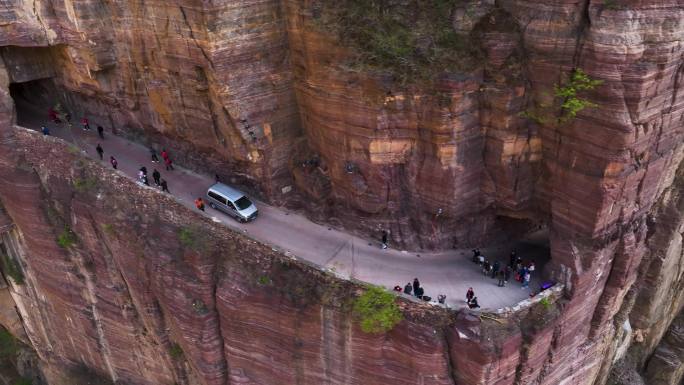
(450, 273)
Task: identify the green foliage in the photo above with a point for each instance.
(176, 352)
(186, 236)
(9, 346)
(412, 41)
(264, 280)
(377, 310)
(108, 228)
(84, 184)
(569, 99)
(66, 238)
(571, 102)
(72, 149)
(612, 4)
(546, 303)
(12, 269)
(23, 381)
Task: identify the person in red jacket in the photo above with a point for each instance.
(199, 203)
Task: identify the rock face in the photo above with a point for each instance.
(275, 95)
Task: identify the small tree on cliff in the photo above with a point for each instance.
(377, 310)
(567, 95)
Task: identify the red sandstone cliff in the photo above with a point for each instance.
(253, 89)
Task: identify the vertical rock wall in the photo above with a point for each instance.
(254, 90)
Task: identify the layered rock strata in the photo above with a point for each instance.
(262, 92)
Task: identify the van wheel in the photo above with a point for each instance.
(213, 206)
(242, 220)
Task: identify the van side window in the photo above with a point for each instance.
(230, 205)
(217, 197)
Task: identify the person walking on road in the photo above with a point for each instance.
(100, 151)
(199, 203)
(113, 161)
(45, 130)
(100, 131)
(416, 284)
(408, 288)
(85, 124)
(384, 239)
(153, 154)
(502, 278)
(164, 154)
(169, 164)
(164, 186)
(156, 176)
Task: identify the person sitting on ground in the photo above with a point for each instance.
(470, 294)
(476, 255)
(441, 298)
(45, 130)
(397, 288)
(419, 292)
(408, 288)
(473, 304)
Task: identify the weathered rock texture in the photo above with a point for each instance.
(256, 90)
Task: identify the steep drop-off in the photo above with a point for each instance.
(280, 96)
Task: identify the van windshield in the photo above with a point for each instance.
(243, 203)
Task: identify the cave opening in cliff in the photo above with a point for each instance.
(529, 238)
(32, 99)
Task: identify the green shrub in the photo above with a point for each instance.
(264, 280)
(84, 184)
(175, 351)
(569, 99)
(23, 381)
(9, 347)
(66, 238)
(571, 102)
(545, 303)
(377, 310)
(186, 236)
(12, 269)
(412, 41)
(108, 228)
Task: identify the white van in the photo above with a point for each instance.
(232, 202)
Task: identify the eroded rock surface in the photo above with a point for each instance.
(270, 95)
